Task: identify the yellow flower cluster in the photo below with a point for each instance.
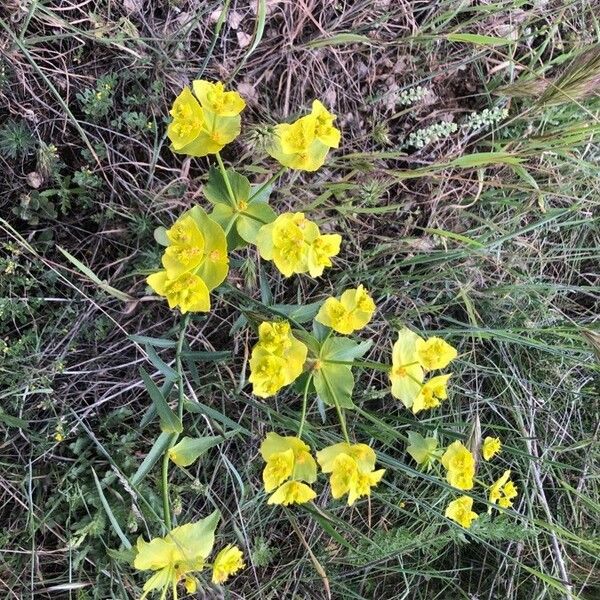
(204, 120)
(290, 467)
(295, 245)
(491, 447)
(460, 466)
(460, 510)
(503, 491)
(195, 262)
(412, 357)
(289, 463)
(184, 551)
(277, 359)
(352, 468)
(351, 312)
(460, 473)
(304, 144)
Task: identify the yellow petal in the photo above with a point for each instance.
(292, 492)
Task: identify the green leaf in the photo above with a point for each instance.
(109, 512)
(340, 39)
(343, 349)
(334, 385)
(216, 190)
(158, 449)
(423, 450)
(320, 331)
(481, 40)
(252, 219)
(260, 193)
(301, 313)
(202, 409)
(189, 450)
(109, 289)
(160, 236)
(169, 421)
(226, 217)
(309, 340)
(169, 373)
(157, 342)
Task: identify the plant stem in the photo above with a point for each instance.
(173, 441)
(226, 179)
(265, 185)
(304, 405)
(342, 419)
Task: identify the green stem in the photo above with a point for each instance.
(173, 441)
(226, 179)
(269, 182)
(304, 405)
(342, 419)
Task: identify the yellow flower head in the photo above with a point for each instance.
(295, 245)
(188, 120)
(275, 337)
(351, 312)
(214, 98)
(325, 132)
(460, 510)
(286, 458)
(460, 465)
(503, 491)
(206, 120)
(406, 374)
(187, 291)
(491, 447)
(292, 492)
(320, 252)
(228, 562)
(176, 556)
(195, 262)
(267, 372)
(434, 353)
(277, 359)
(304, 144)
(352, 468)
(432, 392)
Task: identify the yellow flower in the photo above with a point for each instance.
(292, 492)
(503, 491)
(435, 353)
(295, 245)
(325, 132)
(320, 252)
(287, 458)
(352, 470)
(205, 122)
(187, 291)
(279, 468)
(351, 312)
(213, 97)
(195, 262)
(228, 562)
(460, 510)
(186, 247)
(188, 120)
(304, 144)
(176, 556)
(275, 337)
(460, 465)
(406, 374)
(267, 372)
(277, 359)
(491, 447)
(431, 393)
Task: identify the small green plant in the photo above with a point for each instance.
(97, 102)
(15, 139)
